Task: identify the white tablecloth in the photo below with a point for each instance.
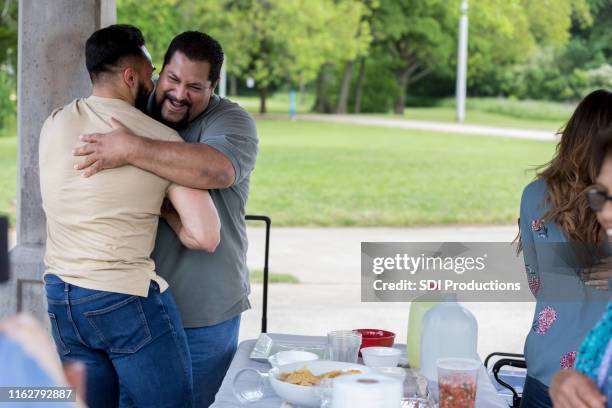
(486, 395)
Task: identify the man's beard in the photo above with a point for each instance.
(142, 98)
(157, 114)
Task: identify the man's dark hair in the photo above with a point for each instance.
(198, 46)
(107, 47)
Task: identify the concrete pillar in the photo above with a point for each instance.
(51, 73)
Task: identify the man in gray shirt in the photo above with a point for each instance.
(211, 289)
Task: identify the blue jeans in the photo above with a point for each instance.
(212, 350)
(137, 341)
(535, 394)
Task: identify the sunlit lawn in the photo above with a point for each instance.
(500, 112)
(503, 112)
(476, 117)
(311, 173)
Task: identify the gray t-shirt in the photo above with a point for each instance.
(211, 288)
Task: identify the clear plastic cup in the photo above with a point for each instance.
(457, 381)
(250, 385)
(343, 345)
(324, 390)
(416, 391)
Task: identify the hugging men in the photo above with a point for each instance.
(210, 288)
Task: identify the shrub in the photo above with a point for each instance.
(600, 77)
(380, 87)
(8, 99)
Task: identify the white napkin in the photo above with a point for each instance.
(366, 391)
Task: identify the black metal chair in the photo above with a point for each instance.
(510, 360)
(268, 222)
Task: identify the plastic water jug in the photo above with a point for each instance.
(448, 330)
(418, 309)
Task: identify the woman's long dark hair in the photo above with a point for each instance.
(574, 168)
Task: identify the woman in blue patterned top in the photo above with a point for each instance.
(554, 218)
(590, 385)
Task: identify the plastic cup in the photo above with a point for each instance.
(343, 345)
(250, 385)
(416, 391)
(457, 381)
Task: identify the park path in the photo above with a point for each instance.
(367, 120)
(317, 255)
(327, 263)
(332, 255)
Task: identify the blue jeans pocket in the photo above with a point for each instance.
(57, 337)
(122, 326)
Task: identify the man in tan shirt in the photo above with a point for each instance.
(107, 306)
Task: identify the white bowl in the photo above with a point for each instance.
(381, 356)
(303, 395)
(291, 356)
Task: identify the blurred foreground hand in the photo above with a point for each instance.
(24, 330)
(571, 389)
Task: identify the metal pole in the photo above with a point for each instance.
(268, 221)
(462, 54)
(292, 107)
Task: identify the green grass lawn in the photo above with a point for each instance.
(343, 175)
(478, 117)
(257, 277)
(501, 112)
(312, 173)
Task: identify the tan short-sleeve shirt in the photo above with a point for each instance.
(100, 230)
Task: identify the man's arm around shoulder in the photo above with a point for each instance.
(215, 163)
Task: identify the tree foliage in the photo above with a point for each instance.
(372, 54)
(420, 37)
(158, 20)
(8, 63)
(290, 40)
(525, 48)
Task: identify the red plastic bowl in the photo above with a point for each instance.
(375, 338)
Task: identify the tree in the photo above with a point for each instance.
(8, 63)
(505, 33)
(159, 22)
(420, 35)
(355, 49)
(550, 21)
(359, 85)
(596, 37)
(8, 33)
(290, 40)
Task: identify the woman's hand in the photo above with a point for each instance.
(571, 389)
(598, 276)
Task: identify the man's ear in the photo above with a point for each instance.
(214, 85)
(129, 77)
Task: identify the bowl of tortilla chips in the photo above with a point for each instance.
(296, 382)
